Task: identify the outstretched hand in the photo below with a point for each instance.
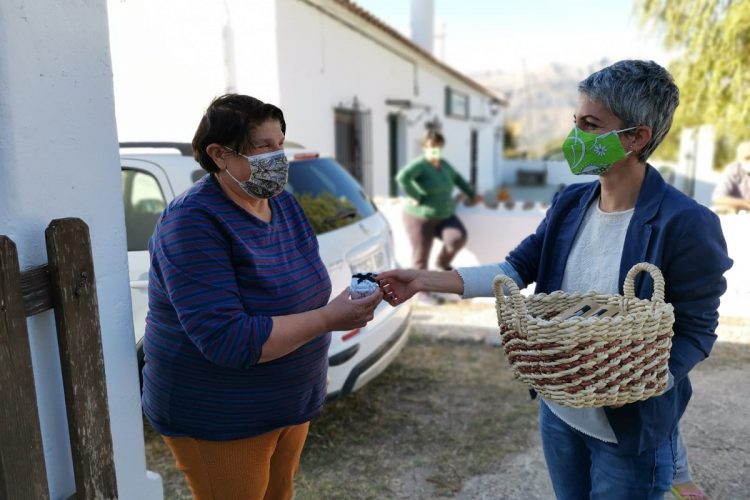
(398, 285)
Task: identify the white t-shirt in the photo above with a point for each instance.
(594, 265)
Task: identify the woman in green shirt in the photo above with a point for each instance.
(429, 210)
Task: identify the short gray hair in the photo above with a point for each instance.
(639, 93)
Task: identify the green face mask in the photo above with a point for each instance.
(593, 154)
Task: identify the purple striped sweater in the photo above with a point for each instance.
(218, 275)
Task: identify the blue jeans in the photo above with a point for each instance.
(682, 474)
(582, 467)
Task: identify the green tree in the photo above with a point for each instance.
(712, 38)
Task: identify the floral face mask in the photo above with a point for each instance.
(268, 174)
(593, 154)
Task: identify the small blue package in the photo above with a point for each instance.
(363, 284)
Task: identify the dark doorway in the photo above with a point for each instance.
(353, 151)
(473, 160)
(394, 157)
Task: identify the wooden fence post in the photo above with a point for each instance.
(71, 271)
(23, 473)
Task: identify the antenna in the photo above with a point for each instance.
(440, 41)
(529, 115)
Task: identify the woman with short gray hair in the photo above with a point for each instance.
(592, 234)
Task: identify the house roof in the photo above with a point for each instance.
(370, 18)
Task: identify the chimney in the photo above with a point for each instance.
(423, 23)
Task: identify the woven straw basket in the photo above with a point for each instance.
(588, 362)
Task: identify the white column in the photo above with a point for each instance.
(58, 158)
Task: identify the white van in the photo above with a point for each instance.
(353, 237)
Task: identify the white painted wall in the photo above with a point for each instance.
(58, 151)
(695, 175)
(258, 31)
(735, 300)
(558, 172)
(169, 61)
(492, 232)
(325, 65)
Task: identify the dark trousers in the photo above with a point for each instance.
(423, 231)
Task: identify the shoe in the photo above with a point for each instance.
(429, 299)
(689, 491)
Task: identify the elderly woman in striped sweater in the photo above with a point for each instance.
(237, 330)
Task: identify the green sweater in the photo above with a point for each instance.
(429, 188)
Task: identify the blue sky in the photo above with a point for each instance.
(507, 34)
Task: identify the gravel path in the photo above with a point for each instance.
(715, 427)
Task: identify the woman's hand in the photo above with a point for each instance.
(398, 285)
(343, 313)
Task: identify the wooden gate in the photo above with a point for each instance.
(66, 284)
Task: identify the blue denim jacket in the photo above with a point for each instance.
(681, 237)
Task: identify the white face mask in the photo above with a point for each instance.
(268, 174)
(433, 153)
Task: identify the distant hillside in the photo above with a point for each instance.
(542, 101)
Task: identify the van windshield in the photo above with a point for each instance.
(329, 195)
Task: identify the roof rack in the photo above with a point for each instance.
(185, 148)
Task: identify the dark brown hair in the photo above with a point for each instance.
(433, 137)
(228, 121)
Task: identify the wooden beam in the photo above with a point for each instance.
(36, 290)
(71, 271)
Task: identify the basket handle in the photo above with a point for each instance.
(518, 306)
(629, 284)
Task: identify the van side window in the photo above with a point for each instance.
(144, 202)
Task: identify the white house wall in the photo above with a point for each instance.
(457, 131)
(171, 57)
(257, 54)
(169, 60)
(329, 56)
(327, 64)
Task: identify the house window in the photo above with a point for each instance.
(456, 104)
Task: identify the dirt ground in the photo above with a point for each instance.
(715, 427)
(447, 420)
(444, 411)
